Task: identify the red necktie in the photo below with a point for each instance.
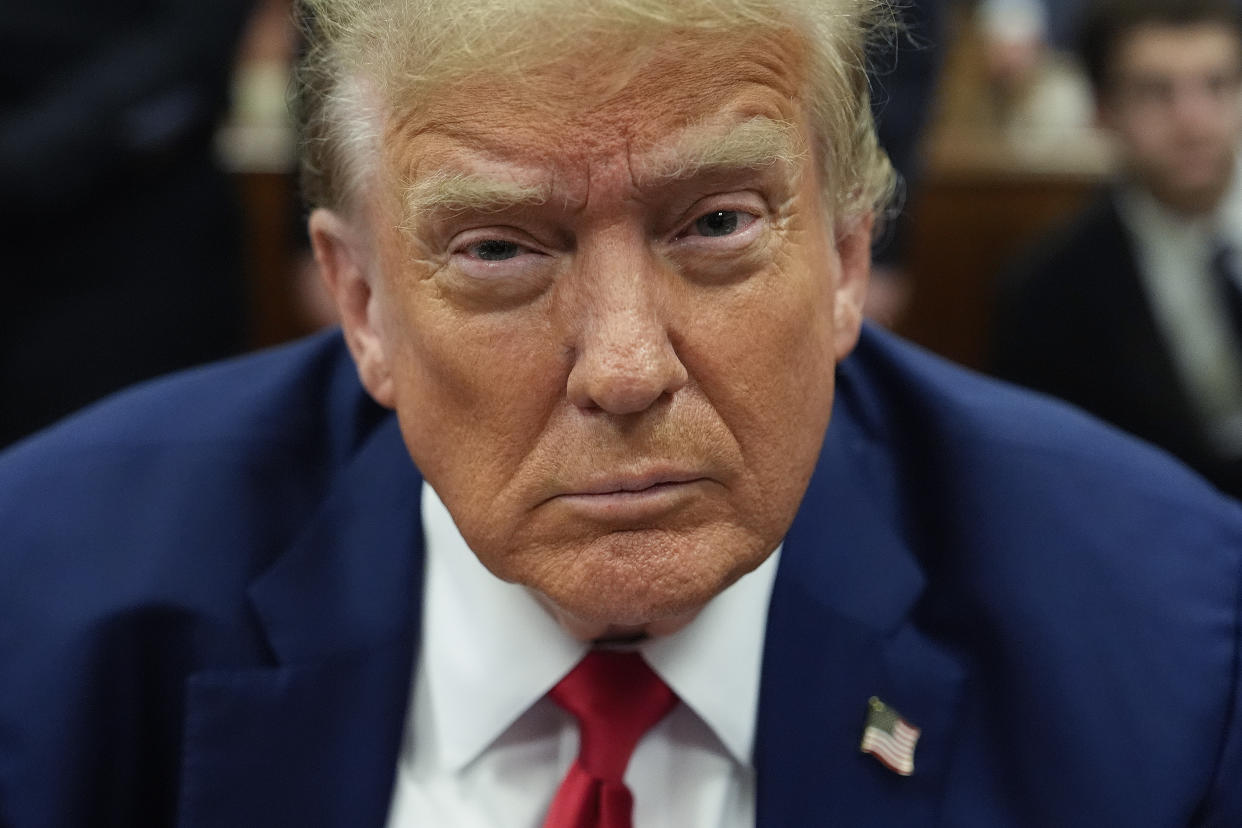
(616, 698)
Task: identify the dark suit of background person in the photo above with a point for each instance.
(1075, 321)
(1088, 316)
(236, 570)
(121, 239)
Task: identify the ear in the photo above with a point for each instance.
(346, 260)
(853, 240)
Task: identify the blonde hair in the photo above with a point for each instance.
(366, 57)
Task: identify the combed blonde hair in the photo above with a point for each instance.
(369, 56)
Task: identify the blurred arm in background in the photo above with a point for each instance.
(91, 89)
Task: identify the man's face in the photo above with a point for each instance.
(607, 315)
(1174, 105)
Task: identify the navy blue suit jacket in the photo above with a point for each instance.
(210, 586)
(1075, 320)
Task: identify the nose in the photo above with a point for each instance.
(624, 354)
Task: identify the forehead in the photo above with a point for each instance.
(604, 104)
(1167, 50)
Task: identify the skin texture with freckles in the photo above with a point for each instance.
(618, 393)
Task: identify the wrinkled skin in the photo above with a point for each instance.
(619, 392)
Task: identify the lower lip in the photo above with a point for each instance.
(627, 507)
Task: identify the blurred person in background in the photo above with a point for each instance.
(1034, 92)
(121, 233)
(1134, 311)
(1054, 21)
(603, 441)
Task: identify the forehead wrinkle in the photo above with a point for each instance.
(573, 139)
(468, 164)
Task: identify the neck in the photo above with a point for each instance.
(602, 632)
(1186, 205)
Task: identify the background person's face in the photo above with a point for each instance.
(618, 388)
(1175, 106)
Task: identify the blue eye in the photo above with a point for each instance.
(718, 223)
(494, 250)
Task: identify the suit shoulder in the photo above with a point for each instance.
(1063, 563)
(996, 431)
(267, 395)
(175, 492)
(1034, 518)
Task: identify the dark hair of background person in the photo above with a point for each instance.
(1105, 23)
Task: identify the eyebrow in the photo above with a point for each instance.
(753, 144)
(459, 192)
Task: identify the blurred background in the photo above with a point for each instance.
(995, 139)
(983, 106)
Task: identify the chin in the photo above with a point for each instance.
(621, 608)
(630, 583)
(1191, 195)
(1196, 188)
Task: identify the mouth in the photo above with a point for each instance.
(634, 484)
(633, 498)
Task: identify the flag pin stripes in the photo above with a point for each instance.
(889, 738)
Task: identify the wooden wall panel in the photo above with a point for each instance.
(966, 228)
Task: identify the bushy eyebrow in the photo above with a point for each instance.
(753, 144)
(459, 192)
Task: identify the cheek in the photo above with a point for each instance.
(1229, 124)
(1153, 149)
(1145, 138)
(472, 392)
(767, 367)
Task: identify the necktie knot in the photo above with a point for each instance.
(616, 698)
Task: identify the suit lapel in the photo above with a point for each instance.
(1152, 398)
(314, 740)
(839, 632)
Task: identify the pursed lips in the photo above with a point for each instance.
(631, 484)
(630, 499)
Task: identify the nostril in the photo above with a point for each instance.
(625, 382)
(628, 395)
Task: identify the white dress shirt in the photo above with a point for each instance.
(1174, 257)
(484, 748)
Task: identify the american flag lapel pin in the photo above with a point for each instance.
(889, 738)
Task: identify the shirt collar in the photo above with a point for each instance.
(490, 650)
(1152, 219)
(1229, 215)
(714, 662)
